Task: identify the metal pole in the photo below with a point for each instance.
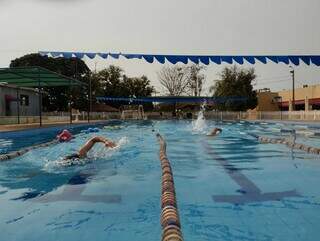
(90, 96)
(293, 97)
(89, 104)
(281, 108)
(70, 101)
(40, 99)
(18, 106)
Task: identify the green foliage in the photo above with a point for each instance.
(138, 87)
(58, 97)
(107, 82)
(236, 82)
(115, 83)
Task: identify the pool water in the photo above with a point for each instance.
(229, 187)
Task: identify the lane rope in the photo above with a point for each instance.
(291, 144)
(170, 221)
(14, 154)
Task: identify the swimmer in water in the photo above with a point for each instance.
(64, 136)
(215, 132)
(82, 153)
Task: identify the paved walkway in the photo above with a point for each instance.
(16, 127)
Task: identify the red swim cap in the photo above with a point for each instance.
(65, 136)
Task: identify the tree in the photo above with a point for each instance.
(196, 79)
(57, 98)
(137, 86)
(111, 81)
(182, 80)
(107, 82)
(114, 83)
(235, 82)
(174, 79)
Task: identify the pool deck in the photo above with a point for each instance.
(16, 127)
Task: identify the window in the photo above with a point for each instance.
(24, 100)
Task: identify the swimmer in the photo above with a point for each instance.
(215, 132)
(82, 153)
(64, 136)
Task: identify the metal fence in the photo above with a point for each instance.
(58, 117)
(265, 115)
(64, 117)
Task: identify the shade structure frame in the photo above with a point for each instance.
(36, 77)
(31, 76)
(172, 99)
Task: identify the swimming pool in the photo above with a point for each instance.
(229, 187)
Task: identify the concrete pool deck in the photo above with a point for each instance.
(17, 127)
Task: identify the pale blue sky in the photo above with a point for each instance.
(167, 27)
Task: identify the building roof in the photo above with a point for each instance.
(35, 77)
(18, 87)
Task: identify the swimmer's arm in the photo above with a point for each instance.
(87, 147)
(211, 133)
(107, 142)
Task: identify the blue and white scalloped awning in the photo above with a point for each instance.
(204, 59)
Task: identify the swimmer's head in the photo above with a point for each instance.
(218, 130)
(215, 131)
(65, 131)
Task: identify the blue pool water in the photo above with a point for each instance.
(229, 187)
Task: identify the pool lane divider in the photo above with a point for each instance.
(170, 221)
(14, 154)
(291, 144)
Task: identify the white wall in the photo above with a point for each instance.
(31, 110)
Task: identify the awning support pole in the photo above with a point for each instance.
(90, 100)
(18, 106)
(40, 99)
(70, 102)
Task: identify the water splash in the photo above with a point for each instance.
(200, 125)
(98, 152)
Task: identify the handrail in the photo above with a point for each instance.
(170, 222)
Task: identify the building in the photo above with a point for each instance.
(267, 100)
(14, 100)
(306, 98)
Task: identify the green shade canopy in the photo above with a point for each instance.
(35, 77)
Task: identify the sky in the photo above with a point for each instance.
(202, 27)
